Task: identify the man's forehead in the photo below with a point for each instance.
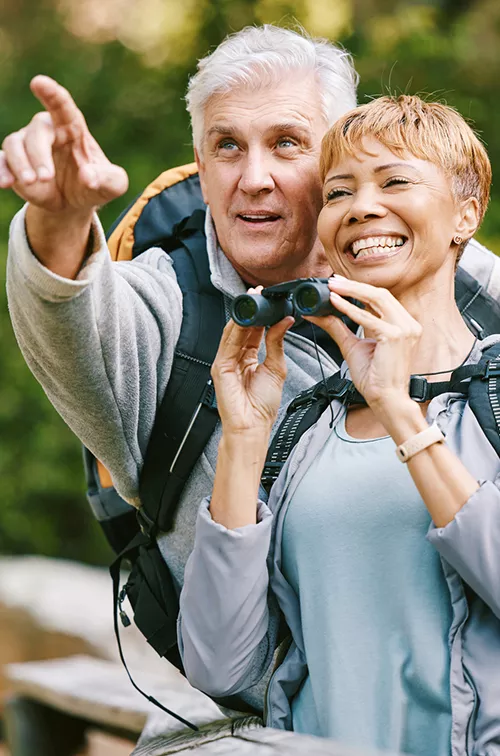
(281, 107)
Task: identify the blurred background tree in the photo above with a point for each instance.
(127, 63)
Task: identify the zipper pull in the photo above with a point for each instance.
(123, 615)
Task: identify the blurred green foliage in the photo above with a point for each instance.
(127, 65)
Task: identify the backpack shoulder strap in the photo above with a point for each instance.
(484, 395)
(152, 218)
(187, 416)
(309, 405)
(479, 309)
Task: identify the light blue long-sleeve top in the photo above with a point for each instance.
(374, 603)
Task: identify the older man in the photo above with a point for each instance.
(100, 336)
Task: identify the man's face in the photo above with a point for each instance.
(259, 175)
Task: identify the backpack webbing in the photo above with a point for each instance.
(309, 405)
(188, 409)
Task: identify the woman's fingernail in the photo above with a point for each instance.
(336, 276)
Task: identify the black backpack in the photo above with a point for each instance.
(170, 214)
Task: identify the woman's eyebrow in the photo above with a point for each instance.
(378, 169)
(388, 166)
(338, 176)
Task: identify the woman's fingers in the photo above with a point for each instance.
(275, 350)
(380, 300)
(338, 330)
(235, 339)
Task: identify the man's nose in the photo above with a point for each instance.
(256, 175)
(365, 205)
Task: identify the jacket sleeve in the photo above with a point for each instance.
(224, 616)
(470, 543)
(101, 345)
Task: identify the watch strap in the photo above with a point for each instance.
(419, 442)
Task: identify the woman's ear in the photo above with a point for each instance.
(468, 219)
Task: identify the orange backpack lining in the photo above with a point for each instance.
(121, 243)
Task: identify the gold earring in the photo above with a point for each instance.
(457, 239)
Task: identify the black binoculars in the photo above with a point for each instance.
(304, 296)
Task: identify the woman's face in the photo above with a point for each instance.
(388, 220)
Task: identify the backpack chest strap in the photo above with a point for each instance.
(308, 406)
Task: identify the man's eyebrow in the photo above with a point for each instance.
(288, 126)
(221, 130)
(378, 169)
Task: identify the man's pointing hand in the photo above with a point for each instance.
(54, 162)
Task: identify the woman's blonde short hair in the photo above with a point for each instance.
(428, 130)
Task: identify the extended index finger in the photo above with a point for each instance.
(56, 100)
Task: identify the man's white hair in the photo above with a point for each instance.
(265, 55)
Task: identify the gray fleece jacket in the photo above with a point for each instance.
(226, 614)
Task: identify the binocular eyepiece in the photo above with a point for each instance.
(304, 296)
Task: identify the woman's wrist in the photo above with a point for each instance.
(240, 462)
(249, 444)
(401, 416)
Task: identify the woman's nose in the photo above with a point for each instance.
(256, 175)
(365, 205)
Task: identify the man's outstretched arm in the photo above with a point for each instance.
(99, 336)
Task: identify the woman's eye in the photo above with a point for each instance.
(396, 181)
(335, 194)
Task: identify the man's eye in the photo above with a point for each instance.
(227, 144)
(285, 142)
(334, 194)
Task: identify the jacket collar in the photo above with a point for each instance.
(223, 275)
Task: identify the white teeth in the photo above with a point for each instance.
(259, 217)
(373, 242)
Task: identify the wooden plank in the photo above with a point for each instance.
(283, 742)
(101, 692)
(247, 738)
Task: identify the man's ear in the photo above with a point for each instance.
(202, 175)
(469, 218)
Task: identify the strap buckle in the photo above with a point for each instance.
(492, 369)
(208, 397)
(419, 389)
(146, 524)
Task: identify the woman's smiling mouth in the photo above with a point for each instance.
(375, 246)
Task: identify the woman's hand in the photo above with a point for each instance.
(380, 363)
(249, 392)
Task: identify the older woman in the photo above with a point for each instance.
(386, 572)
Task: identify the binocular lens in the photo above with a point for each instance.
(307, 299)
(245, 310)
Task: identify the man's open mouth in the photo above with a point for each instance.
(259, 217)
(373, 246)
